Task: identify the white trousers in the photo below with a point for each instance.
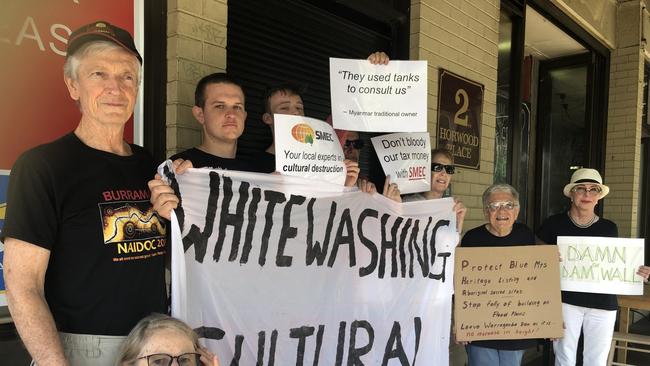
(598, 328)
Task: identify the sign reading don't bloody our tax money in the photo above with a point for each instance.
(406, 157)
(379, 98)
(307, 147)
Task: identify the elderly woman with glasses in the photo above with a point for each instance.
(159, 340)
(501, 208)
(594, 314)
(442, 170)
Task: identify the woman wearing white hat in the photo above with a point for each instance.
(594, 313)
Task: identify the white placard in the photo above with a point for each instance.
(308, 147)
(379, 98)
(406, 157)
(601, 265)
(269, 266)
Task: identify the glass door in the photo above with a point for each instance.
(564, 129)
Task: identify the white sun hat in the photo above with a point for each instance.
(586, 175)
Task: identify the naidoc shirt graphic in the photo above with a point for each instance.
(131, 226)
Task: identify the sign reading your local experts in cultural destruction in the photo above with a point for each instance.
(307, 147)
(379, 98)
(460, 106)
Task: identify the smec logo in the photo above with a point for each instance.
(303, 132)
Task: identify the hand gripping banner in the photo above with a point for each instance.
(277, 270)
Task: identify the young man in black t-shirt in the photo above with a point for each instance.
(220, 109)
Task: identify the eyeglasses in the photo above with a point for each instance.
(163, 359)
(437, 167)
(354, 144)
(592, 191)
(506, 205)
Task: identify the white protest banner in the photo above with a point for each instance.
(406, 157)
(374, 98)
(601, 265)
(307, 147)
(272, 269)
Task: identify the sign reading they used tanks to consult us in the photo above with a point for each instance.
(460, 106)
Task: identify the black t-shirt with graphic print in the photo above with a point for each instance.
(90, 209)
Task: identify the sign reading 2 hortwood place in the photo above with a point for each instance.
(460, 106)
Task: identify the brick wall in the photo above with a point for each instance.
(196, 46)
(623, 151)
(461, 36)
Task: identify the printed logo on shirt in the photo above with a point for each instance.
(132, 227)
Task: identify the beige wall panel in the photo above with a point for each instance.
(461, 36)
(196, 46)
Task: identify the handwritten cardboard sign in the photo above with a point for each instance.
(386, 98)
(507, 293)
(307, 147)
(406, 157)
(601, 265)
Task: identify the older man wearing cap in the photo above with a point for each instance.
(84, 250)
(594, 314)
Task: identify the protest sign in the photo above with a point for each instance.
(601, 265)
(272, 269)
(406, 157)
(507, 293)
(373, 98)
(307, 147)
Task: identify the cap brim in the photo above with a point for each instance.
(81, 39)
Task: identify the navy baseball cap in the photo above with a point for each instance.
(101, 30)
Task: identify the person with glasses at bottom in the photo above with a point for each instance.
(501, 208)
(442, 170)
(159, 340)
(594, 314)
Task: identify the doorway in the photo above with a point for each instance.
(563, 129)
(565, 77)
